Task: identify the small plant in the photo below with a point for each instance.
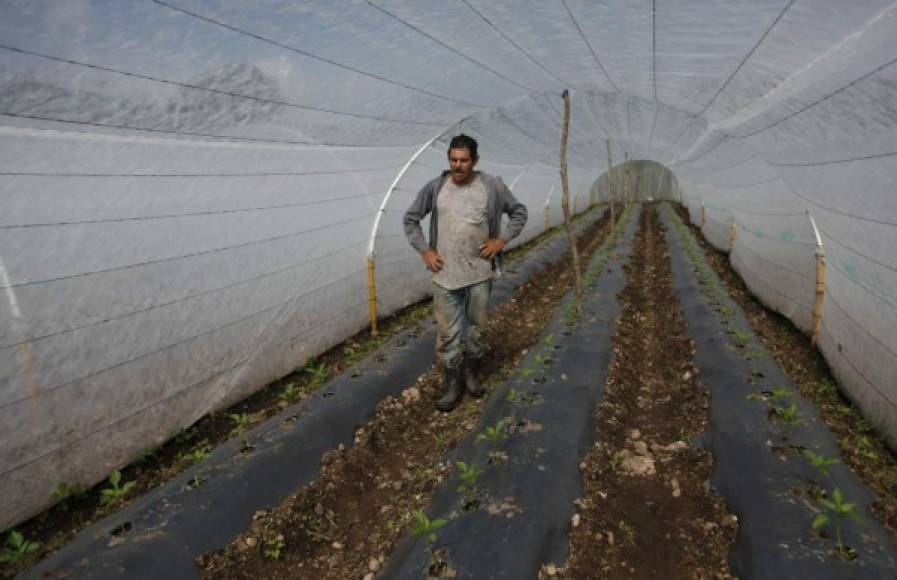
(274, 548)
(866, 448)
(820, 462)
(615, 460)
(549, 340)
(627, 531)
(469, 474)
(186, 435)
(494, 433)
(789, 415)
(290, 393)
(117, 491)
(525, 372)
(242, 421)
(514, 396)
(741, 338)
(838, 509)
(197, 454)
(17, 547)
(426, 528)
(318, 372)
(65, 492)
(441, 440)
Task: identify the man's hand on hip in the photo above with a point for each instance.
(491, 248)
(432, 259)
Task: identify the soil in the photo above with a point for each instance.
(862, 449)
(647, 509)
(59, 524)
(347, 522)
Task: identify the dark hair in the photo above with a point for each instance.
(463, 141)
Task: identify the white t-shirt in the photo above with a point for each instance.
(463, 228)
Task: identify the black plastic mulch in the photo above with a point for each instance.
(760, 466)
(161, 534)
(524, 498)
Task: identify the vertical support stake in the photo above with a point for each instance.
(820, 284)
(372, 296)
(610, 185)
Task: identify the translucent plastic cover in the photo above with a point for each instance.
(190, 190)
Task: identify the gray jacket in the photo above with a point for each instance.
(500, 200)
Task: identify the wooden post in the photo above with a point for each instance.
(372, 296)
(820, 284)
(625, 180)
(565, 196)
(610, 185)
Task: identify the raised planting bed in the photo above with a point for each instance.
(801, 512)
(504, 510)
(206, 506)
(646, 509)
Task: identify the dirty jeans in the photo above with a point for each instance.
(461, 316)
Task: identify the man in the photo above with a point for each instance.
(465, 239)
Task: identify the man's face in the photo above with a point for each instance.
(461, 165)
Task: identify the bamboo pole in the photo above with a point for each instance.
(372, 296)
(626, 176)
(610, 185)
(820, 285)
(565, 197)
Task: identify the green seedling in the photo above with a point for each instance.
(290, 393)
(627, 531)
(789, 415)
(741, 338)
(426, 528)
(274, 548)
(117, 491)
(318, 372)
(514, 396)
(186, 435)
(468, 473)
(197, 454)
(549, 340)
(866, 448)
(838, 510)
(242, 421)
(525, 372)
(614, 461)
(820, 462)
(17, 547)
(494, 433)
(441, 440)
(65, 492)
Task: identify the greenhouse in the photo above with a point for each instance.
(218, 330)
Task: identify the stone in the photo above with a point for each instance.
(635, 434)
(638, 465)
(729, 521)
(411, 395)
(551, 569)
(574, 521)
(374, 565)
(252, 542)
(640, 448)
(677, 491)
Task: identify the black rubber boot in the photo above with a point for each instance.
(471, 368)
(453, 390)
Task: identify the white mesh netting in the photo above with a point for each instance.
(189, 188)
